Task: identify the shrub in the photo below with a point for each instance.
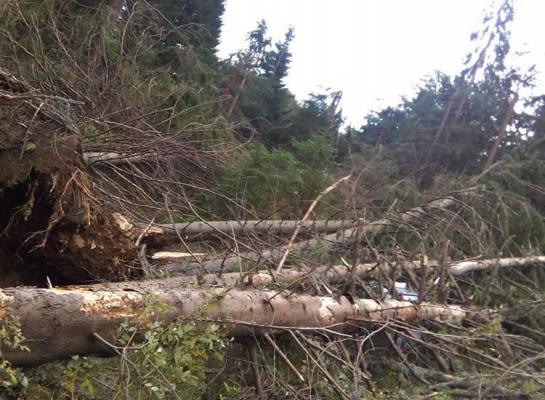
(276, 183)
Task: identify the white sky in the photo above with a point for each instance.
(376, 51)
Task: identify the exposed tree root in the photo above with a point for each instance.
(51, 224)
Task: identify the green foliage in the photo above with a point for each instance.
(451, 124)
(313, 153)
(513, 205)
(411, 128)
(136, 60)
(12, 381)
(276, 63)
(157, 361)
(201, 19)
(260, 58)
(277, 182)
(442, 396)
(263, 106)
(262, 109)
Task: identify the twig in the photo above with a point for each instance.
(501, 132)
(342, 394)
(257, 375)
(142, 252)
(284, 357)
(442, 289)
(404, 358)
(305, 217)
(356, 256)
(27, 133)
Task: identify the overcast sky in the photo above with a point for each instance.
(376, 51)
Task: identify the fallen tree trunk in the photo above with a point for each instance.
(339, 273)
(59, 323)
(464, 267)
(231, 263)
(229, 228)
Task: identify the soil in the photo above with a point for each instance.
(52, 224)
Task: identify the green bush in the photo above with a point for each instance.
(12, 381)
(276, 183)
(157, 361)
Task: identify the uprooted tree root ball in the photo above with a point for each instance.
(52, 225)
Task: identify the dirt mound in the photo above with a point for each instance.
(52, 224)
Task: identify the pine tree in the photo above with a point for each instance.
(453, 124)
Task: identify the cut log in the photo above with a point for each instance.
(231, 263)
(59, 323)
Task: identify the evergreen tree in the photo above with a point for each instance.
(262, 104)
(275, 63)
(200, 20)
(452, 124)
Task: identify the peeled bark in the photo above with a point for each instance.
(59, 323)
(231, 263)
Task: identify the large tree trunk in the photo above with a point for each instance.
(232, 263)
(58, 323)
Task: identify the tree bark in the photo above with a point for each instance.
(59, 323)
(464, 267)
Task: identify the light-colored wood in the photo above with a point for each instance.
(59, 323)
(228, 228)
(173, 255)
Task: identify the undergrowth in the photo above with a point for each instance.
(12, 380)
(155, 361)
